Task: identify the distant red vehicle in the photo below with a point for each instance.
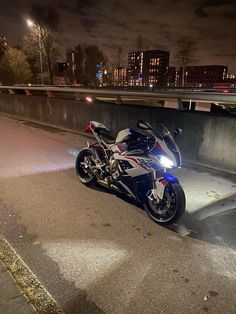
(222, 88)
(77, 85)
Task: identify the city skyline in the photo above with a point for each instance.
(111, 24)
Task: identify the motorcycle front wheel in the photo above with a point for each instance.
(170, 209)
(83, 164)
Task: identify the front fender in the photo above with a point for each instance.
(170, 178)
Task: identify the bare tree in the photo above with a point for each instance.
(141, 43)
(43, 36)
(88, 59)
(31, 49)
(185, 54)
(94, 58)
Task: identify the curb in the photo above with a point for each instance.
(28, 283)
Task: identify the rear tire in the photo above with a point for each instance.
(83, 163)
(172, 211)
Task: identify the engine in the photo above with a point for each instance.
(115, 169)
(118, 168)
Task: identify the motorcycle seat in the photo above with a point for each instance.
(105, 135)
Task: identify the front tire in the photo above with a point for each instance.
(170, 209)
(83, 164)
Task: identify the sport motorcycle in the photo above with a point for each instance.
(135, 163)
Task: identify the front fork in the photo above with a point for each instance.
(158, 190)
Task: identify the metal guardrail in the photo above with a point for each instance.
(183, 95)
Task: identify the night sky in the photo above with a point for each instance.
(113, 23)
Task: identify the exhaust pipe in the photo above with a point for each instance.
(106, 184)
(103, 183)
(115, 188)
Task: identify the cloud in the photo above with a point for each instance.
(144, 21)
(118, 6)
(117, 23)
(226, 55)
(79, 7)
(164, 26)
(88, 23)
(201, 8)
(230, 15)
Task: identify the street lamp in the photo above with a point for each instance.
(30, 23)
(33, 26)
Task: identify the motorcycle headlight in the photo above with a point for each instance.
(166, 162)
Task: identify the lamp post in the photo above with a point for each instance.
(32, 25)
(186, 77)
(73, 66)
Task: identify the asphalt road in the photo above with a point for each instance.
(97, 253)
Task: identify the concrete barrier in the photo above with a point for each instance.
(206, 138)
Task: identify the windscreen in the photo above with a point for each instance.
(163, 129)
(164, 134)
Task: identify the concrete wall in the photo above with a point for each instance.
(206, 138)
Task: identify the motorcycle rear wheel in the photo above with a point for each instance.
(170, 209)
(83, 163)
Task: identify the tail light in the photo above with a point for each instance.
(89, 129)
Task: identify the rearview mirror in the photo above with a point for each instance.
(177, 132)
(141, 124)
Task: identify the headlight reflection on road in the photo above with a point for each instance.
(89, 259)
(35, 169)
(207, 194)
(220, 206)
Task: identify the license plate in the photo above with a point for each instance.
(159, 190)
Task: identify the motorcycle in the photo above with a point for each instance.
(135, 164)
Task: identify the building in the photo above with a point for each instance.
(199, 76)
(173, 77)
(119, 77)
(147, 68)
(230, 80)
(205, 75)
